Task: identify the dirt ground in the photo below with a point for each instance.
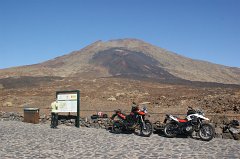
(109, 94)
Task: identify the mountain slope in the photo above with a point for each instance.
(128, 57)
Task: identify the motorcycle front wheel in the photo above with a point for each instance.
(170, 130)
(148, 130)
(206, 132)
(117, 127)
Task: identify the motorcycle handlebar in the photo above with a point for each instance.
(190, 108)
(117, 111)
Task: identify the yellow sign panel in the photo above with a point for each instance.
(67, 97)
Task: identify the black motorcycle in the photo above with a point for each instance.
(132, 123)
(192, 125)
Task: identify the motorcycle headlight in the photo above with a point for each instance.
(144, 109)
(201, 112)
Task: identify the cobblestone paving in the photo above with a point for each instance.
(24, 140)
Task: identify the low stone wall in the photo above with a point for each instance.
(225, 129)
(5, 116)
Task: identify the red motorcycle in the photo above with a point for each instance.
(133, 122)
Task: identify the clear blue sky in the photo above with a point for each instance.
(32, 31)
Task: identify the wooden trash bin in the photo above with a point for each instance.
(31, 115)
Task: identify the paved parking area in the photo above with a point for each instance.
(24, 140)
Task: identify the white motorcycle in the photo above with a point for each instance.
(192, 124)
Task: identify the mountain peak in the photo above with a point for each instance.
(128, 57)
(126, 40)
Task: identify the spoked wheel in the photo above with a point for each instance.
(148, 130)
(206, 132)
(117, 127)
(170, 130)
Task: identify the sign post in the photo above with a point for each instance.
(69, 101)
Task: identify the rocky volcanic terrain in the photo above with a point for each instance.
(113, 74)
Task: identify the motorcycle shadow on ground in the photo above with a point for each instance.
(161, 133)
(126, 132)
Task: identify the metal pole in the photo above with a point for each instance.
(78, 109)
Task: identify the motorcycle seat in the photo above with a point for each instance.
(182, 120)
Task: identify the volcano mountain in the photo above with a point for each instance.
(128, 58)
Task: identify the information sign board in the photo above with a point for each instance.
(67, 102)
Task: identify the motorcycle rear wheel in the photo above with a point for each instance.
(117, 127)
(206, 132)
(169, 130)
(148, 129)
